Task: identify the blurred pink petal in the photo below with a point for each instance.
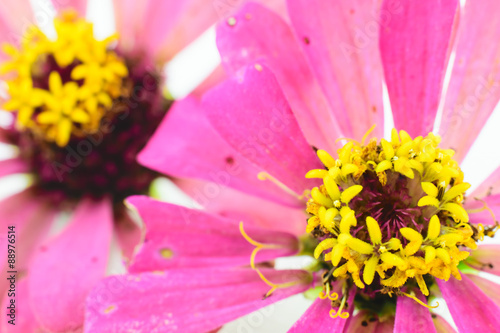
(186, 145)
(205, 299)
(31, 219)
(67, 266)
(490, 288)
(241, 206)
(340, 39)
(217, 76)
(240, 45)
(17, 16)
(317, 318)
(412, 317)
(415, 45)
(486, 258)
(13, 166)
(171, 243)
(479, 213)
(474, 89)
(269, 136)
(79, 5)
(471, 309)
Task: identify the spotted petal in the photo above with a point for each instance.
(189, 300)
(171, 243)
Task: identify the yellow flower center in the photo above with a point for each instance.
(63, 87)
(390, 214)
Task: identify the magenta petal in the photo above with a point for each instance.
(317, 318)
(486, 258)
(412, 317)
(341, 43)
(25, 321)
(241, 206)
(474, 89)
(67, 266)
(260, 35)
(470, 308)
(477, 213)
(79, 5)
(178, 237)
(186, 145)
(490, 288)
(12, 166)
(415, 45)
(254, 117)
(190, 300)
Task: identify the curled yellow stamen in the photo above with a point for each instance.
(259, 246)
(420, 302)
(338, 313)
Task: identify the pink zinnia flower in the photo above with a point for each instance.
(83, 108)
(388, 222)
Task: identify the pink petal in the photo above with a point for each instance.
(129, 18)
(79, 5)
(478, 213)
(490, 288)
(317, 318)
(191, 300)
(262, 36)
(415, 45)
(412, 317)
(25, 321)
(12, 166)
(474, 89)
(241, 206)
(253, 116)
(442, 326)
(490, 186)
(341, 44)
(128, 233)
(171, 243)
(67, 266)
(470, 308)
(17, 16)
(186, 145)
(486, 258)
(366, 322)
